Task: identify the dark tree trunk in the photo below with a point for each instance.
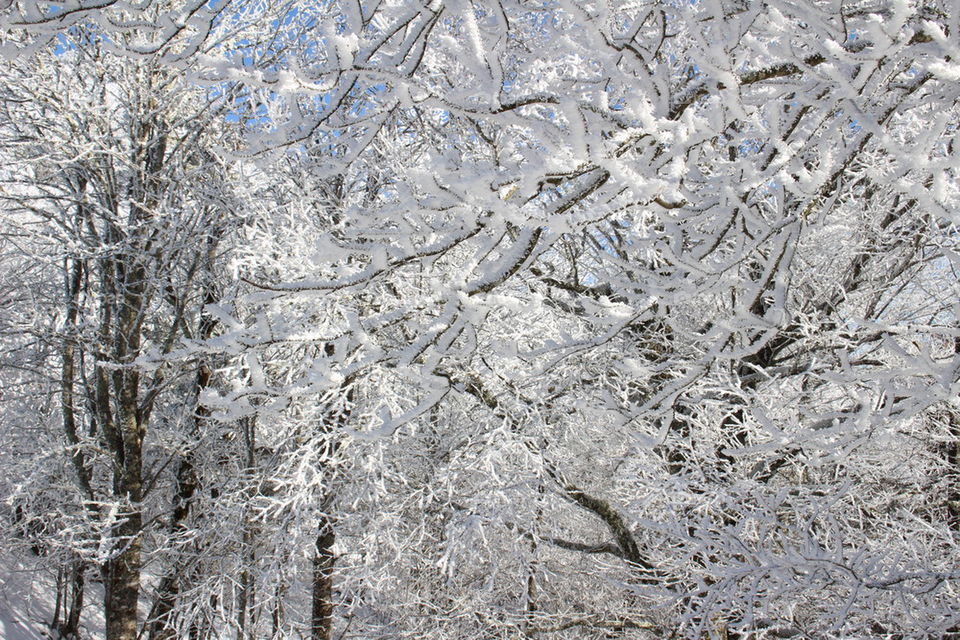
(123, 583)
(70, 592)
(337, 416)
(123, 586)
(73, 601)
(71, 627)
(126, 279)
(123, 570)
(67, 378)
(247, 597)
(168, 590)
(321, 619)
(70, 598)
(953, 461)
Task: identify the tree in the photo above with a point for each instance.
(112, 184)
(629, 319)
(702, 198)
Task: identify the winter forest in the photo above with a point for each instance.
(479, 319)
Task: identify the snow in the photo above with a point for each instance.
(28, 598)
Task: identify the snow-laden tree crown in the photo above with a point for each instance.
(469, 319)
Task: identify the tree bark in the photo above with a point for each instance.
(123, 585)
(321, 619)
(168, 590)
(77, 581)
(246, 598)
(952, 455)
(73, 591)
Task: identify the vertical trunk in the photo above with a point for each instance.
(129, 272)
(70, 598)
(530, 605)
(953, 460)
(123, 586)
(72, 594)
(321, 620)
(276, 616)
(532, 591)
(953, 473)
(247, 596)
(123, 570)
(246, 599)
(169, 588)
(67, 378)
(104, 411)
(159, 618)
(676, 452)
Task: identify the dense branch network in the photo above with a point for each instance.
(461, 319)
